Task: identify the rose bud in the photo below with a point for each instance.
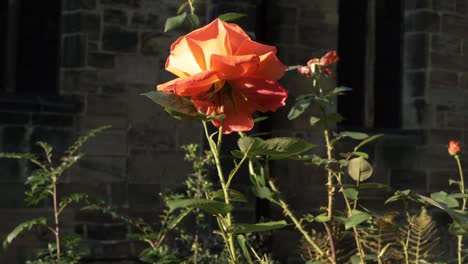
(454, 148)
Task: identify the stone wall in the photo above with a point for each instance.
(113, 50)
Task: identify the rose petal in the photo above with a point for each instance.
(270, 67)
(262, 95)
(186, 58)
(249, 46)
(233, 67)
(191, 86)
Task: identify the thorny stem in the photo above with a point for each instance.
(296, 222)
(192, 8)
(331, 191)
(408, 235)
(463, 208)
(215, 149)
(56, 217)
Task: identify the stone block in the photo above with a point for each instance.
(122, 3)
(64, 104)
(444, 5)
(99, 169)
(101, 60)
(74, 51)
(446, 44)
(114, 231)
(12, 195)
(111, 143)
(137, 69)
(114, 16)
(110, 250)
(14, 139)
(415, 82)
(93, 121)
(462, 7)
(464, 81)
(411, 5)
(144, 195)
(72, 5)
(119, 40)
(79, 81)
(115, 89)
(416, 51)
(423, 21)
(455, 25)
(53, 120)
(107, 105)
(408, 179)
(443, 79)
(449, 62)
(11, 118)
(82, 22)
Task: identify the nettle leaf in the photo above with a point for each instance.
(41, 221)
(276, 148)
(175, 220)
(212, 207)
(259, 227)
(351, 193)
(231, 16)
(176, 104)
(443, 197)
(357, 218)
(175, 22)
(354, 135)
(359, 169)
(192, 21)
(299, 108)
(234, 195)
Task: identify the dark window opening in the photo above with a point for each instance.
(38, 47)
(3, 32)
(351, 67)
(388, 63)
(370, 49)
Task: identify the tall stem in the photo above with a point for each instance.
(216, 149)
(463, 208)
(331, 191)
(56, 217)
(296, 222)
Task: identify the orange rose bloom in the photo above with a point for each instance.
(224, 72)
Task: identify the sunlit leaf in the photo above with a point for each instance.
(234, 195)
(359, 169)
(41, 221)
(231, 16)
(213, 207)
(259, 227)
(356, 219)
(175, 22)
(299, 108)
(276, 148)
(354, 135)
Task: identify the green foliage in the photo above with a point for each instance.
(259, 227)
(42, 185)
(423, 237)
(359, 169)
(274, 148)
(212, 207)
(21, 228)
(357, 217)
(227, 17)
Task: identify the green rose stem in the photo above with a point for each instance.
(463, 208)
(56, 217)
(223, 223)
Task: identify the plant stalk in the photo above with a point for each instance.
(56, 217)
(463, 208)
(215, 149)
(331, 191)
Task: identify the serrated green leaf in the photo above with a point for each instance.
(359, 169)
(173, 102)
(182, 7)
(175, 22)
(460, 219)
(355, 260)
(259, 227)
(260, 119)
(234, 195)
(262, 192)
(313, 120)
(354, 135)
(351, 193)
(73, 198)
(193, 21)
(367, 140)
(299, 108)
(175, 220)
(231, 16)
(212, 207)
(22, 228)
(321, 218)
(443, 197)
(47, 150)
(356, 219)
(242, 243)
(275, 148)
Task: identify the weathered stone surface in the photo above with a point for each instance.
(72, 5)
(455, 25)
(447, 44)
(120, 40)
(101, 60)
(114, 16)
(53, 120)
(416, 82)
(79, 81)
(417, 4)
(416, 51)
(122, 3)
(443, 79)
(444, 5)
(425, 21)
(82, 22)
(74, 51)
(449, 62)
